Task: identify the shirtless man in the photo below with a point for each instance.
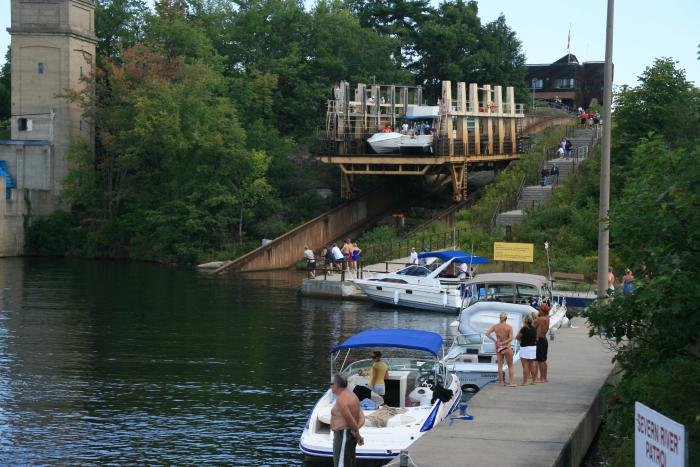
(346, 420)
(504, 336)
(542, 325)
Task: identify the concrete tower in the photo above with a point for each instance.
(53, 48)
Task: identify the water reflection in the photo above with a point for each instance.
(108, 362)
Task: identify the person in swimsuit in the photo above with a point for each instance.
(542, 326)
(378, 374)
(346, 420)
(504, 336)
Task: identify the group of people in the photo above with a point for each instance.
(345, 258)
(565, 147)
(627, 282)
(533, 346)
(589, 118)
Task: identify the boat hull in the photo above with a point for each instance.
(443, 301)
(380, 443)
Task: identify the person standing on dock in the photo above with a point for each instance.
(542, 326)
(346, 420)
(504, 337)
(413, 258)
(310, 261)
(611, 282)
(355, 257)
(338, 257)
(528, 349)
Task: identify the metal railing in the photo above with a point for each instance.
(399, 249)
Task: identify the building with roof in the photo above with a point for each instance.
(576, 84)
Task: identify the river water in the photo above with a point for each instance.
(130, 363)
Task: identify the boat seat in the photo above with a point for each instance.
(468, 358)
(487, 347)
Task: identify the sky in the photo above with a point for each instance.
(643, 30)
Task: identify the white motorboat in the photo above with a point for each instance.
(472, 356)
(420, 393)
(385, 142)
(430, 286)
(517, 288)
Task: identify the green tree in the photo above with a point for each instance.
(5, 87)
(118, 24)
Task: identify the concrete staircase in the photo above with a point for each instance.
(536, 195)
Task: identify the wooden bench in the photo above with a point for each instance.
(569, 276)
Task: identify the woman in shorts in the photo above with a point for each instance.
(528, 349)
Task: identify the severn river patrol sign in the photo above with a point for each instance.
(658, 440)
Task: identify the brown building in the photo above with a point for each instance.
(52, 51)
(576, 84)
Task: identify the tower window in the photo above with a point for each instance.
(81, 71)
(24, 124)
(81, 124)
(40, 68)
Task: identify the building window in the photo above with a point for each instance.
(24, 124)
(40, 68)
(81, 124)
(81, 71)
(537, 83)
(565, 83)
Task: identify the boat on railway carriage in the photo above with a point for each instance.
(415, 141)
(420, 393)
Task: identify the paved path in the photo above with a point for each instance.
(541, 425)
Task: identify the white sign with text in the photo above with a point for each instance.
(658, 440)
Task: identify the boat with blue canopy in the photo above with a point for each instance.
(433, 284)
(419, 392)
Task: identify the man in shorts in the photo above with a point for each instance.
(542, 326)
(346, 420)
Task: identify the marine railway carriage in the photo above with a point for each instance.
(476, 127)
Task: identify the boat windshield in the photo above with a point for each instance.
(395, 364)
(415, 271)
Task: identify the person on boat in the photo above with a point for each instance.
(387, 129)
(463, 272)
(627, 282)
(346, 420)
(528, 349)
(378, 374)
(542, 326)
(310, 261)
(504, 337)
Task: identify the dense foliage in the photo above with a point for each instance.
(655, 230)
(206, 111)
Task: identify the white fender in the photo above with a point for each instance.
(444, 298)
(396, 297)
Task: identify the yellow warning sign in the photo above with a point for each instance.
(523, 252)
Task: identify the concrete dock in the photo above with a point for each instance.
(549, 424)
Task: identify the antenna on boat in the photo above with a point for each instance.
(549, 269)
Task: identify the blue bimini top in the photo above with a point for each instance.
(457, 255)
(399, 338)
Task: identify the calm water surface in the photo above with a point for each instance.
(121, 363)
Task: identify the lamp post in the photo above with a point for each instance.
(604, 203)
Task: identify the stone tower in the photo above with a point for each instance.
(52, 50)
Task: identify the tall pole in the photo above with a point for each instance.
(604, 203)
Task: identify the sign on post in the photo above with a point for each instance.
(658, 440)
(505, 251)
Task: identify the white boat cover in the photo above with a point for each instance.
(477, 318)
